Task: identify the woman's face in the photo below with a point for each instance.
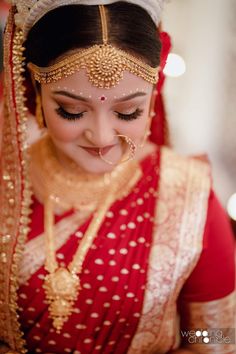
(81, 118)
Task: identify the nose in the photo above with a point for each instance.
(101, 132)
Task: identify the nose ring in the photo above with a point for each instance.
(132, 147)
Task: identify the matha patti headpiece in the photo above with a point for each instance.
(104, 64)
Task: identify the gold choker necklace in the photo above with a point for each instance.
(55, 186)
(73, 187)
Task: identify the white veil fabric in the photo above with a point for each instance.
(29, 12)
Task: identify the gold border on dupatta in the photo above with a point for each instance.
(177, 243)
(34, 254)
(15, 194)
(219, 315)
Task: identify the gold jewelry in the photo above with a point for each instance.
(39, 112)
(62, 285)
(105, 64)
(152, 114)
(147, 133)
(56, 186)
(71, 187)
(132, 151)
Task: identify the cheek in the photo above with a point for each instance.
(136, 129)
(60, 128)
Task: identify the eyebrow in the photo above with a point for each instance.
(71, 95)
(130, 97)
(81, 98)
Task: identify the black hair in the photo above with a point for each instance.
(78, 26)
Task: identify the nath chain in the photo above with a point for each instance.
(132, 151)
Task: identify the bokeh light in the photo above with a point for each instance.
(175, 65)
(231, 207)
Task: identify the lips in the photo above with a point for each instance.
(94, 151)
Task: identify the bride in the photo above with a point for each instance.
(109, 243)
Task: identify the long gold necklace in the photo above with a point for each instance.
(56, 187)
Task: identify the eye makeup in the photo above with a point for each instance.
(69, 116)
(74, 116)
(131, 116)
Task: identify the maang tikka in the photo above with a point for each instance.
(104, 63)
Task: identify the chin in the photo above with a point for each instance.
(96, 167)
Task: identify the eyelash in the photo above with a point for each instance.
(69, 116)
(129, 117)
(74, 116)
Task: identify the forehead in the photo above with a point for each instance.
(78, 83)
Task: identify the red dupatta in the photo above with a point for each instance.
(15, 194)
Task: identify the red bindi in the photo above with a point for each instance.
(103, 98)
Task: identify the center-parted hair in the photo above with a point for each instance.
(78, 26)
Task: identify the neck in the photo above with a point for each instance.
(71, 188)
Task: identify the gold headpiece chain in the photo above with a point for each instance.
(104, 24)
(105, 64)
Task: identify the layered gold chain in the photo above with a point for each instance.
(73, 187)
(55, 186)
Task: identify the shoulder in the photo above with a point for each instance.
(185, 187)
(182, 204)
(190, 176)
(170, 159)
(214, 274)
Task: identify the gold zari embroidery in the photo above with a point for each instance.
(15, 187)
(177, 243)
(34, 253)
(218, 319)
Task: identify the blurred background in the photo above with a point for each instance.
(201, 103)
(200, 90)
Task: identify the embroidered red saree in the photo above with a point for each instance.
(161, 264)
(158, 257)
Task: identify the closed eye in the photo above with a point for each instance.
(131, 116)
(67, 115)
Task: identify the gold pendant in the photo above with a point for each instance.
(62, 289)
